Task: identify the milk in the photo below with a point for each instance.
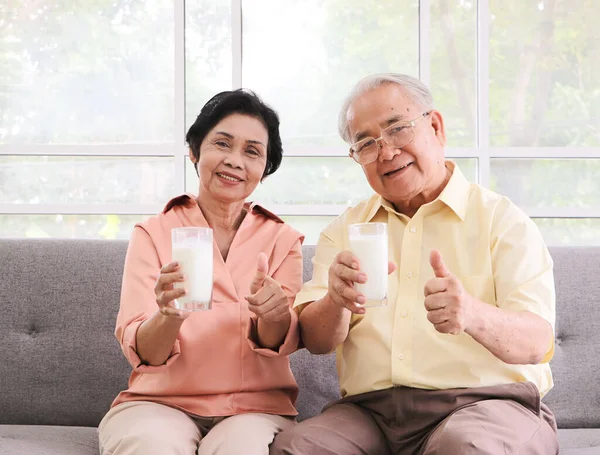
(196, 263)
(371, 250)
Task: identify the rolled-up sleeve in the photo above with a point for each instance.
(138, 302)
(522, 267)
(327, 249)
(289, 276)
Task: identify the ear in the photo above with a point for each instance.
(191, 155)
(194, 160)
(437, 122)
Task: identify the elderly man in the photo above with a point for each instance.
(457, 361)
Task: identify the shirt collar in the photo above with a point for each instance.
(188, 200)
(456, 193)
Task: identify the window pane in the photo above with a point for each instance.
(301, 180)
(544, 65)
(191, 179)
(208, 55)
(80, 72)
(310, 226)
(570, 231)
(69, 226)
(547, 183)
(453, 69)
(303, 56)
(85, 180)
(333, 180)
(468, 166)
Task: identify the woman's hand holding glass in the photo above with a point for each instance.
(166, 293)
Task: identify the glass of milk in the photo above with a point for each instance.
(369, 243)
(193, 249)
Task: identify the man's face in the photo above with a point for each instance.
(399, 175)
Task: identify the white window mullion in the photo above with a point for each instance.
(483, 91)
(179, 98)
(236, 43)
(424, 41)
(305, 209)
(562, 212)
(545, 152)
(157, 149)
(483, 168)
(80, 209)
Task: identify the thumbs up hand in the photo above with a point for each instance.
(262, 266)
(437, 264)
(268, 300)
(449, 307)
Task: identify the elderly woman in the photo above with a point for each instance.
(216, 381)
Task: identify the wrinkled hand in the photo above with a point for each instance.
(343, 273)
(165, 292)
(448, 305)
(268, 299)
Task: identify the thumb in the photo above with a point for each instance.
(261, 273)
(437, 264)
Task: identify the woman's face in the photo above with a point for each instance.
(233, 157)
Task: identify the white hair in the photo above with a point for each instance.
(415, 89)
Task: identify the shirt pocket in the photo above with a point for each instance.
(480, 287)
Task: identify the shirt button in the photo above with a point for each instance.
(401, 356)
(404, 314)
(413, 229)
(409, 274)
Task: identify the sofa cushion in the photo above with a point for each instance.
(575, 398)
(61, 364)
(48, 440)
(318, 381)
(579, 442)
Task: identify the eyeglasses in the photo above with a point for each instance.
(396, 135)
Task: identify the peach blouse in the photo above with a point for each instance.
(216, 367)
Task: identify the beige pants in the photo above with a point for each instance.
(142, 427)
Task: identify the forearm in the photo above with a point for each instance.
(324, 325)
(513, 337)
(271, 334)
(155, 338)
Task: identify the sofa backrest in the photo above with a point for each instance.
(60, 363)
(575, 398)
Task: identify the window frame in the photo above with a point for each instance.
(177, 149)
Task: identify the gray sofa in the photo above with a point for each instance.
(61, 365)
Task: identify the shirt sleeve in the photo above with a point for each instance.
(522, 266)
(328, 247)
(138, 302)
(289, 276)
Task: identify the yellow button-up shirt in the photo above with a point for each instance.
(488, 243)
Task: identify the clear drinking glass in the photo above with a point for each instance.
(193, 249)
(369, 243)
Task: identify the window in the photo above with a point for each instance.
(95, 100)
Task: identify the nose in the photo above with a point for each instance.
(386, 151)
(234, 159)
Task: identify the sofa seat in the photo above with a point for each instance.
(49, 440)
(579, 441)
(55, 440)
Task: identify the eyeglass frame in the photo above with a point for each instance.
(410, 123)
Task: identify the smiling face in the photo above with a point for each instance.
(233, 156)
(417, 169)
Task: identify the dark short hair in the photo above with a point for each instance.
(238, 101)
